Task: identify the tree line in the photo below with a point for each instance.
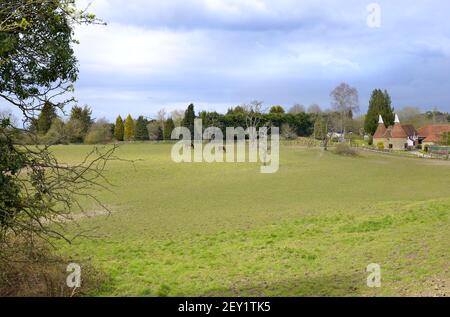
(297, 121)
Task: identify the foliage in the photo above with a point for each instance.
(75, 131)
(277, 109)
(82, 116)
(169, 127)
(345, 149)
(37, 61)
(320, 128)
(129, 128)
(119, 129)
(188, 120)
(379, 104)
(436, 116)
(155, 131)
(141, 133)
(380, 145)
(288, 132)
(45, 119)
(38, 68)
(57, 134)
(99, 133)
(36, 189)
(445, 138)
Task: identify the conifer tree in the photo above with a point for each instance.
(189, 118)
(380, 104)
(129, 129)
(46, 117)
(119, 129)
(84, 115)
(168, 128)
(141, 133)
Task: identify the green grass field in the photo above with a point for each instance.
(225, 229)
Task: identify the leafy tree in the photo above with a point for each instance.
(235, 117)
(379, 104)
(45, 119)
(277, 109)
(37, 61)
(170, 125)
(38, 65)
(141, 132)
(119, 129)
(238, 110)
(303, 123)
(129, 129)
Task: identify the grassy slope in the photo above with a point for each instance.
(310, 229)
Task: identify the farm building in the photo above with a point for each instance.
(432, 134)
(396, 137)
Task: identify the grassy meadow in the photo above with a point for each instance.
(224, 229)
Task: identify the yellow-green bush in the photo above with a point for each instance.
(380, 145)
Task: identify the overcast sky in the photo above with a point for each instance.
(219, 53)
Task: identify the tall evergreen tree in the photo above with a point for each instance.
(141, 132)
(129, 129)
(84, 115)
(169, 126)
(389, 115)
(380, 104)
(189, 118)
(119, 129)
(46, 117)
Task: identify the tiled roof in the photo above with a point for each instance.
(433, 129)
(388, 133)
(398, 131)
(380, 131)
(433, 138)
(433, 132)
(409, 129)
